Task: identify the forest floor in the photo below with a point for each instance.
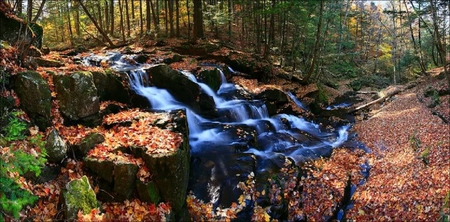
(410, 158)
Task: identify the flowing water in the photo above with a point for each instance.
(243, 139)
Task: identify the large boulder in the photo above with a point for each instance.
(181, 88)
(56, 147)
(78, 100)
(212, 78)
(14, 29)
(78, 195)
(274, 98)
(109, 86)
(35, 97)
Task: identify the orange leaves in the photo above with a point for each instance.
(135, 210)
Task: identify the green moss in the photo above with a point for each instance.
(79, 196)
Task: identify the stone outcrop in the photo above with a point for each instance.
(35, 97)
(78, 100)
(167, 159)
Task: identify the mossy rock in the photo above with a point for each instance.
(78, 195)
(89, 142)
(78, 100)
(35, 97)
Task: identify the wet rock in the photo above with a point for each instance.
(148, 191)
(274, 99)
(181, 87)
(212, 78)
(109, 86)
(124, 180)
(89, 142)
(102, 168)
(56, 147)
(174, 58)
(78, 195)
(78, 100)
(35, 98)
(48, 62)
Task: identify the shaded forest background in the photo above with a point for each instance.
(386, 41)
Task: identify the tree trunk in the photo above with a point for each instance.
(105, 36)
(39, 12)
(312, 64)
(230, 21)
(189, 20)
(111, 16)
(127, 16)
(177, 6)
(29, 10)
(106, 16)
(69, 22)
(172, 28)
(438, 40)
(141, 18)
(19, 6)
(148, 14)
(122, 26)
(198, 20)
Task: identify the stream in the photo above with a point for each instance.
(244, 139)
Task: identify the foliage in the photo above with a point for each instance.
(373, 81)
(15, 162)
(15, 128)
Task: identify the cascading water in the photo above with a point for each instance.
(243, 128)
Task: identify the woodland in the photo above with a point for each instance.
(284, 110)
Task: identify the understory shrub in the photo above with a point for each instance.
(15, 162)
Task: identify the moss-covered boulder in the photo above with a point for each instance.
(78, 100)
(212, 78)
(182, 88)
(78, 195)
(110, 87)
(35, 97)
(82, 148)
(14, 29)
(56, 147)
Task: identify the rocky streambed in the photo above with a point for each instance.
(151, 132)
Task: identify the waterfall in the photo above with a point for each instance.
(276, 136)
